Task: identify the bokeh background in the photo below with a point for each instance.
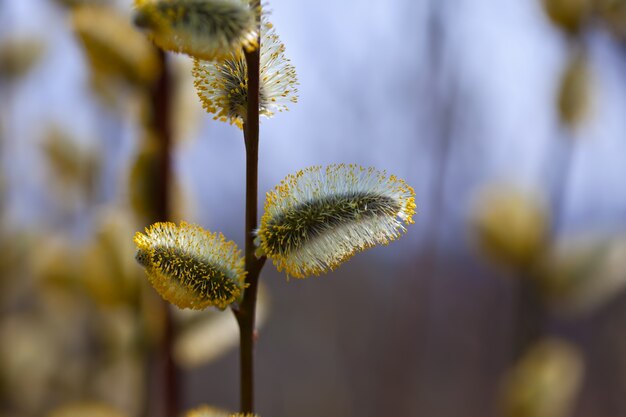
(509, 120)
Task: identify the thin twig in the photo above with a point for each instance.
(161, 101)
(246, 312)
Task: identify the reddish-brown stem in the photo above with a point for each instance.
(161, 102)
(246, 311)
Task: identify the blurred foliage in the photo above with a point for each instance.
(79, 319)
(75, 3)
(18, 56)
(30, 354)
(110, 275)
(86, 410)
(142, 186)
(186, 112)
(572, 274)
(569, 15)
(114, 47)
(575, 91)
(581, 273)
(72, 165)
(613, 13)
(207, 411)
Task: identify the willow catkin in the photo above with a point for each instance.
(204, 29)
(320, 217)
(223, 85)
(191, 267)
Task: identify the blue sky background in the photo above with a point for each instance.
(371, 89)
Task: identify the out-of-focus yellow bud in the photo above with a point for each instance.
(70, 162)
(144, 188)
(56, 264)
(114, 48)
(510, 226)
(569, 15)
(613, 12)
(85, 410)
(575, 91)
(545, 382)
(76, 3)
(121, 383)
(29, 356)
(581, 273)
(207, 411)
(186, 115)
(143, 185)
(15, 252)
(109, 275)
(18, 56)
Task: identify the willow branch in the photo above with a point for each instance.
(161, 102)
(246, 311)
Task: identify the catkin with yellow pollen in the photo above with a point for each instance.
(204, 29)
(191, 267)
(223, 86)
(320, 217)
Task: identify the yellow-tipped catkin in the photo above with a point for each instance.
(223, 86)
(320, 217)
(191, 267)
(113, 46)
(204, 29)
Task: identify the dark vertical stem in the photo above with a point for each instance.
(531, 315)
(161, 100)
(251, 137)
(246, 312)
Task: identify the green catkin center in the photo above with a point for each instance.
(307, 221)
(207, 281)
(143, 258)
